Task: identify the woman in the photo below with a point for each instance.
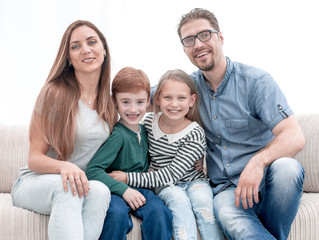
(73, 116)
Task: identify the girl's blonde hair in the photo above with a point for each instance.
(181, 76)
(56, 107)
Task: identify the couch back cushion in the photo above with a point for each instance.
(309, 156)
(14, 147)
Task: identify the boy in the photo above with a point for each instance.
(127, 150)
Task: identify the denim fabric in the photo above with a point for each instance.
(191, 202)
(156, 217)
(272, 217)
(238, 119)
(71, 217)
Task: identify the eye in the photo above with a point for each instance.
(75, 46)
(92, 42)
(125, 102)
(141, 102)
(167, 97)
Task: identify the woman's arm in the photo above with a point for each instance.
(39, 162)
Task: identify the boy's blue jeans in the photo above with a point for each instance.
(272, 217)
(156, 217)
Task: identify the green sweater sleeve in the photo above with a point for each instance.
(102, 159)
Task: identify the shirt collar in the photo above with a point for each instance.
(229, 69)
(157, 132)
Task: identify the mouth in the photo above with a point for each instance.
(88, 60)
(202, 54)
(173, 111)
(132, 116)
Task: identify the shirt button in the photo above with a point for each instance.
(218, 136)
(215, 117)
(214, 98)
(225, 148)
(227, 164)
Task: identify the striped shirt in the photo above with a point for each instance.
(172, 156)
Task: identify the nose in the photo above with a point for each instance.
(174, 102)
(198, 43)
(85, 49)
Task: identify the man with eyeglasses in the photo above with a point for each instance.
(251, 134)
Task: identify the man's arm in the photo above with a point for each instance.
(288, 141)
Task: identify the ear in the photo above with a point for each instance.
(104, 53)
(114, 101)
(221, 37)
(193, 99)
(148, 101)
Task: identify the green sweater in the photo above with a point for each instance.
(121, 151)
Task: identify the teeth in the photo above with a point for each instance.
(88, 60)
(202, 54)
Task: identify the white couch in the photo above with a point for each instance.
(17, 223)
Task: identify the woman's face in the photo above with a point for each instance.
(86, 52)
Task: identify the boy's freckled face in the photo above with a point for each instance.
(132, 108)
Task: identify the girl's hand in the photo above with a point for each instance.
(119, 176)
(199, 164)
(77, 179)
(134, 198)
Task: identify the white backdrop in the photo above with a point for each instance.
(281, 37)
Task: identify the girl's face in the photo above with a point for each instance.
(86, 52)
(175, 99)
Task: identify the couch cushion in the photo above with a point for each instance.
(21, 223)
(305, 225)
(14, 147)
(309, 156)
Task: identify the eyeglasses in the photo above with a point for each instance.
(203, 36)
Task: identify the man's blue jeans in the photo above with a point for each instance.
(156, 217)
(272, 217)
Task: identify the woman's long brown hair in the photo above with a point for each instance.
(54, 114)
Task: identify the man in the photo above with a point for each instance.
(251, 133)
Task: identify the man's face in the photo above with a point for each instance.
(204, 55)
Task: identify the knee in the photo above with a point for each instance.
(99, 190)
(287, 170)
(173, 196)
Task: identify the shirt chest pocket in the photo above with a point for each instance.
(237, 130)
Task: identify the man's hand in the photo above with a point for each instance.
(248, 185)
(119, 176)
(134, 198)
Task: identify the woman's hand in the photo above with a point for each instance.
(77, 179)
(134, 198)
(119, 176)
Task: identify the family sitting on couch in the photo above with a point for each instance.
(246, 130)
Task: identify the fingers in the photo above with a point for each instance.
(243, 195)
(134, 198)
(72, 184)
(137, 203)
(79, 184)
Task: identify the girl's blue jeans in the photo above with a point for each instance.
(190, 203)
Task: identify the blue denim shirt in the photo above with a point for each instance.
(238, 119)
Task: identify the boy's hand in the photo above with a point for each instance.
(119, 176)
(134, 198)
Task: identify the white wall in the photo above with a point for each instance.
(278, 36)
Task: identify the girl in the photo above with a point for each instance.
(73, 116)
(176, 141)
